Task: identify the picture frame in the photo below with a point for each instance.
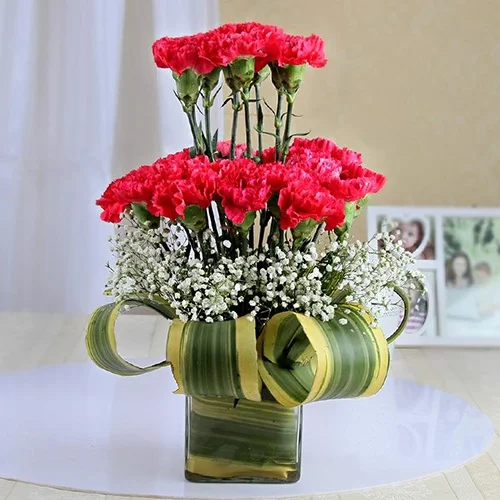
(458, 251)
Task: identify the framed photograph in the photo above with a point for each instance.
(458, 251)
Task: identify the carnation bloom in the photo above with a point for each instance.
(339, 170)
(355, 182)
(303, 199)
(297, 50)
(229, 42)
(182, 183)
(241, 187)
(135, 187)
(181, 53)
(140, 185)
(224, 150)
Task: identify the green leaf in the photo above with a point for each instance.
(215, 140)
(302, 359)
(215, 359)
(100, 339)
(195, 218)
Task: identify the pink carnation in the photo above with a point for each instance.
(339, 170)
(229, 42)
(297, 50)
(183, 183)
(135, 187)
(224, 150)
(241, 187)
(181, 53)
(303, 198)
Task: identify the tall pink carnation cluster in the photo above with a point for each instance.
(295, 181)
(219, 47)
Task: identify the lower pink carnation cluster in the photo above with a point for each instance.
(315, 182)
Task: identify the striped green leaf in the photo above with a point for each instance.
(215, 359)
(302, 359)
(100, 339)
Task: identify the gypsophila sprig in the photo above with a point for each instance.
(364, 274)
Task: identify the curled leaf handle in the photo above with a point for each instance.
(100, 338)
(406, 303)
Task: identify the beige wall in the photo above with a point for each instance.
(412, 84)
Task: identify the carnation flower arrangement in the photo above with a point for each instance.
(222, 238)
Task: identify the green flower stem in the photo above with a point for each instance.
(244, 243)
(248, 127)
(199, 237)
(234, 128)
(288, 126)
(208, 131)
(251, 237)
(263, 223)
(260, 117)
(192, 126)
(278, 123)
(274, 228)
(281, 237)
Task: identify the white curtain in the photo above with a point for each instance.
(80, 103)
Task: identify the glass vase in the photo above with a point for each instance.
(242, 441)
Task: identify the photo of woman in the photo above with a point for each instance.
(472, 276)
(458, 271)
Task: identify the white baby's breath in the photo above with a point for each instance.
(157, 262)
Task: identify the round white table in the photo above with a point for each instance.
(67, 424)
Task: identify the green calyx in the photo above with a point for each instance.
(247, 223)
(288, 78)
(145, 219)
(262, 75)
(303, 231)
(188, 87)
(210, 80)
(240, 73)
(195, 218)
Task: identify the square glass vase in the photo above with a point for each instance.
(242, 442)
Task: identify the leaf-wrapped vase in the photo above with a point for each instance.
(255, 442)
(245, 389)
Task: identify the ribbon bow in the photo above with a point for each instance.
(299, 359)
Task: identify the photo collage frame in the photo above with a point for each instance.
(458, 252)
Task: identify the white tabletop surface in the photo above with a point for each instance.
(29, 341)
